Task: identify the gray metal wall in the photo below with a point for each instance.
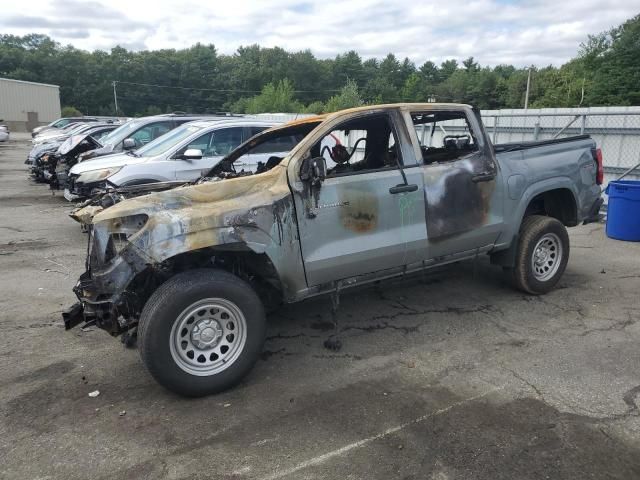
(25, 105)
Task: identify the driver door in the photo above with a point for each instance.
(361, 223)
(213, 145)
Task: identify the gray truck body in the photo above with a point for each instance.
(303, 240)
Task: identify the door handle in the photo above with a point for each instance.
(483, 177)
(402, 188)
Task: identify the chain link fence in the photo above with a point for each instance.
(615, 131)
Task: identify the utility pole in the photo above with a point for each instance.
(526, 96)
(115, 96)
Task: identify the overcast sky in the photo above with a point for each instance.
(493, 31)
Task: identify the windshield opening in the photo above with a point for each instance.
(120, 133)
(263, 151)
(61, 123)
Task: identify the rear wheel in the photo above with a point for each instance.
(201, 332)
(542, 255)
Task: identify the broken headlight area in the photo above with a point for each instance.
(94, 176)
(84, 190)
(113, 262)
(118, 232)
(121, 229)
(88, 183)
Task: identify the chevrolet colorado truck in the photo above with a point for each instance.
(366, 194)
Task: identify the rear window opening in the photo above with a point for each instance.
(443, 136)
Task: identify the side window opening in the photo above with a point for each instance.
(280, 145)
(256, 130)
(225, 140)
(271, 152)
(358, 146)
(202, 143)
(444, 136)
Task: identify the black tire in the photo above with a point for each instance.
(166, 307)
(529, 276)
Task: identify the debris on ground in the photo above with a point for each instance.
(122, 413)
(94, 394)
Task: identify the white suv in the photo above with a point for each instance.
(183, 154)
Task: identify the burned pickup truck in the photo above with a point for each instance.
(366, 194)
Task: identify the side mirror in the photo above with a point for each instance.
(128, 144)
(313, 170)
(312, 173)
(192, 154)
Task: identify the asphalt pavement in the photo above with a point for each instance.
(450, 375)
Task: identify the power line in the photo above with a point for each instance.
(159, 104)
(219, 90)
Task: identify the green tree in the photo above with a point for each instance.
(274, 98)
(314, 107)
(347, 98)
(70, 112)
(414, 89)
(199, 79)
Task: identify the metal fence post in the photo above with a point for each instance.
(495, 129)
(536, 130)
(583, 124)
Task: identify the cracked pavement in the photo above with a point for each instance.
(448, 375)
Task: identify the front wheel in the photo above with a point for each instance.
(542, 255)
(201, 332)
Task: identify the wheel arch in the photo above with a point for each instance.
(257, 269)
(559, 203)
(554, 197)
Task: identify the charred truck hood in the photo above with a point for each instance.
(198, 216)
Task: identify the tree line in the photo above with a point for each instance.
(199, 79)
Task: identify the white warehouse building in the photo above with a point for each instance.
(26, 105)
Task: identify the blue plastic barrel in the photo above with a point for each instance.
(623, 210)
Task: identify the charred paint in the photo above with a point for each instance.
(359, 212)
(454, 203)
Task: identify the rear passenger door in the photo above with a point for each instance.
(463, 199)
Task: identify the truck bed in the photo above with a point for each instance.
(515, 146)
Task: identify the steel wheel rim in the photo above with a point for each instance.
(547, 256)
(208, 336)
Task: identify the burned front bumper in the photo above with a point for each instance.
(101, 290)
(80, 190)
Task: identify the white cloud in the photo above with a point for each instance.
(537, 32)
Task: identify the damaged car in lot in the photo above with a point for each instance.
(191, 270)
(67, 121)
(58, 134)
(184, 154)
(66, 156)
(4, 133)
(43, 158)
(140, 131)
